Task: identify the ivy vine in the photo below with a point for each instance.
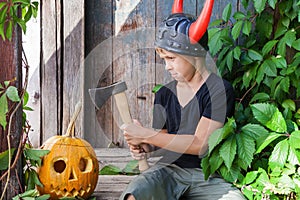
(258, 50)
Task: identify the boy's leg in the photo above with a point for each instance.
(215, 188)
(155, 183)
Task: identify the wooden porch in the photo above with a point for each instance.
(110, 187)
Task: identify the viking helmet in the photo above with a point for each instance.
(183, 33)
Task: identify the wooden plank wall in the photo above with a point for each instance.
(88, 44)
(62, 55)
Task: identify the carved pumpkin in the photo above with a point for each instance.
(71, 168)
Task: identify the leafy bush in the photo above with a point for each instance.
(258, 50)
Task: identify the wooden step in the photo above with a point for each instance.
(110, 187)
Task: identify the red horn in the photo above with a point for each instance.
(177, 6)
(198, 28)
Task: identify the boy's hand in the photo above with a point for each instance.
(139, 152)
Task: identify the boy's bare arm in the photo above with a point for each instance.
(196, 144)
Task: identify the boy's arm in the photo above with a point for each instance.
(196, 144)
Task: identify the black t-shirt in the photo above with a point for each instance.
(213, 100)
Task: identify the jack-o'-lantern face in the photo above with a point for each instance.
(70, 169)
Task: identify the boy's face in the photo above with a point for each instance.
(180, 67)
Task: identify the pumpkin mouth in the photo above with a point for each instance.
(73, 193)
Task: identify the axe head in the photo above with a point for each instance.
(100, 95)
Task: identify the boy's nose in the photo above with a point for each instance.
(168, 66)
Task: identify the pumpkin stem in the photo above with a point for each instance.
(71, 126)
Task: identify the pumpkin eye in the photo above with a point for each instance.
(85, 164)
(59, 166)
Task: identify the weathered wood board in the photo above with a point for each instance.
(111, 186)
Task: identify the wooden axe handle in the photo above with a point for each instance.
(123, 107)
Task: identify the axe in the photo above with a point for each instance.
(99, 97)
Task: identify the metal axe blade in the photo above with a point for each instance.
(100, 95)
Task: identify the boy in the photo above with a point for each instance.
(186, 111)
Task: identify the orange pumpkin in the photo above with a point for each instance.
(71, 168)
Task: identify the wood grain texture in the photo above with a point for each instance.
(73, 61)
(50, 71)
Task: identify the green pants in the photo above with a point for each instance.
(170, 182)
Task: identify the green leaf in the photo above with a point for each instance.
(245, 3)
(269, 140)
(156, 88)
(33, 180)
(23, 26)
(236, 30)
(238, 15)
(246, 149)
(205, 166)
(228, 151)
(9, 30)
(261, 96)
(261, 72)
(281, 30)
(12, 94)
(260, 5)
(2, 4)
(215, 43)
(285, 84)
(249, 75)
(230, 175)
(3, 15)
(43, 197)
(215, 161)
(279, 154)
(263, 178)
(269, 68)
(272, 3)
(295, 139)
(4, 158)
(2, 31)
(270, 116)
(34, 8)
(35, 154)
(269, 46)
(229, 60)
(285, 21)
(28, 14)
(290, 37)
(227, 12)
(250, 177)
(281, 49)
(25, 98)
(279, 61)
(237, 52)
(289, 104)
(256, 132)
(247, 28)
(3, 111)
(292, 158)
(214, 139)
(296, 45)
(254, 55)
(110, 170)
(28, 193)
(131, 168)
(25, 2)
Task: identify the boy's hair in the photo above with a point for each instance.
(198, 65)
